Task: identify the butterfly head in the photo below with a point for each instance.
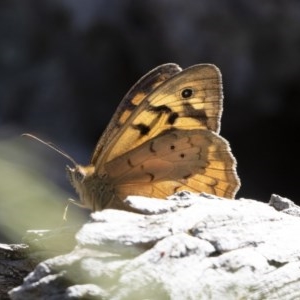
(81, 179)
(79, 174)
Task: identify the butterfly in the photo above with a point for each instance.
(163, 138)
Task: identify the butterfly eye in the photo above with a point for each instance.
(78, 176)
(187, 93)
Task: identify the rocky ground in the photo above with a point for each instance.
(190, 247)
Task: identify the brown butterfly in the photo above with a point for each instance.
(163, 138)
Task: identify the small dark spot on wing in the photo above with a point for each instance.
(160, 109)
(151, 147)
(142, 128)
(172, 118)
(130, 163)
(164, 109)
(151, 176)
(198, 114)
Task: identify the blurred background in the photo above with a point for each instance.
(66, 64)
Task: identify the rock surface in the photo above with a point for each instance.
(190, 247)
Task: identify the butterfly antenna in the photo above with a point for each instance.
(52, 146)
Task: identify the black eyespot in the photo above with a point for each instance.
(78, 176)
(187, 93)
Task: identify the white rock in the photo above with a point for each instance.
(189, 247)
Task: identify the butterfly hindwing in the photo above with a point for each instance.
(197, 160)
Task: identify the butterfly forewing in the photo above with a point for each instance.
(189, 100)
(145, 86)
